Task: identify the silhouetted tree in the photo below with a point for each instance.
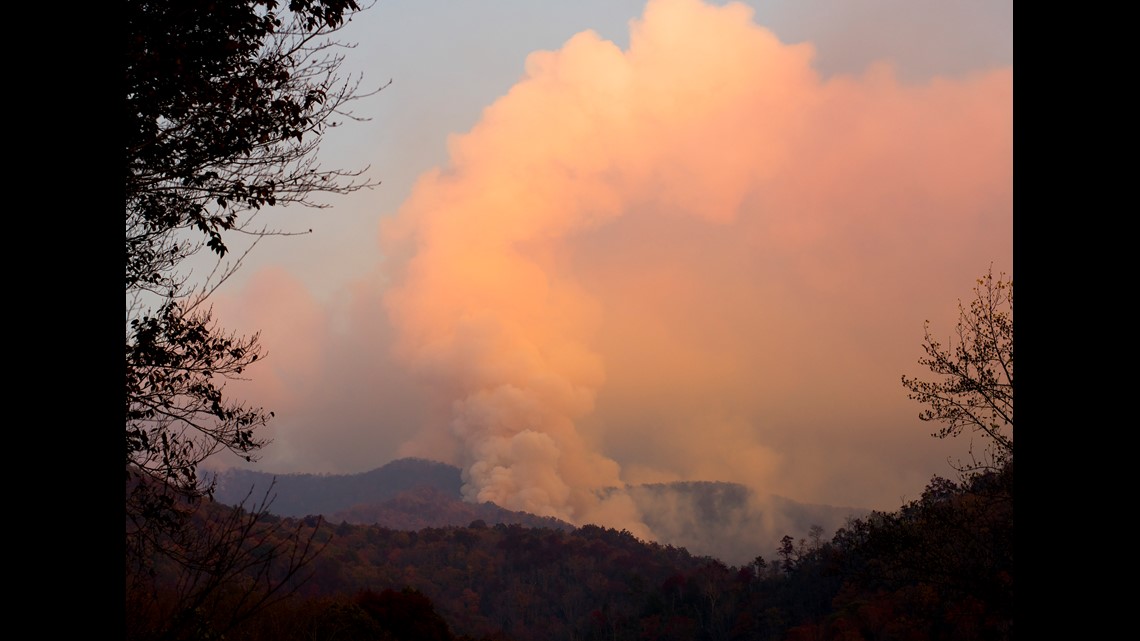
(407, 615)
(226, 104)
(788, 554)
(974, 388)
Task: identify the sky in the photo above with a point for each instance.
(632, 242)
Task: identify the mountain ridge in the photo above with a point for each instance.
(716, 518)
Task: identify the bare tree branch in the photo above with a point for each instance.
(974, 388)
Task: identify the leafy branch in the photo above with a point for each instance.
(974, 388)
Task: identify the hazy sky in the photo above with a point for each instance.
(620, 242)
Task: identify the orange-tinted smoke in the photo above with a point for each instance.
(667, 255)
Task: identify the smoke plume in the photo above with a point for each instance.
(644, 255)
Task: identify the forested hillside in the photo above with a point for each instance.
(941, 567)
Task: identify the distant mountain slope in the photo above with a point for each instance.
(431, 507)
(305, 494)
(725, 520)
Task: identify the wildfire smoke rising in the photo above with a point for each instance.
(580, 248)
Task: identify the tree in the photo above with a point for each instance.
(974, 390)
(226, 104)
(788, 553)
(222, 567)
